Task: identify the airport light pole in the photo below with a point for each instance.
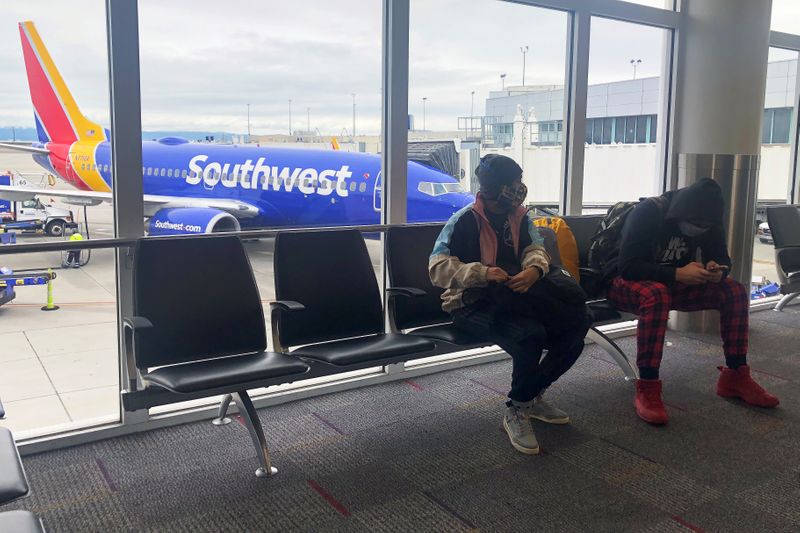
(424, 101)
(354, 116)
(634, 64)
(290, 117)
(503, 81)
(471, 111)
(524, 50)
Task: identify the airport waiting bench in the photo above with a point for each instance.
(198, 330)
(13, 486)
(784, 224)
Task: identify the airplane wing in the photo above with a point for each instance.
(152, 202)
(27, 149)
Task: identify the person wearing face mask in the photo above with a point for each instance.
(673, 255)
(490, 259)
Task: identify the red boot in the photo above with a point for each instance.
(648, 402)
(737, 383)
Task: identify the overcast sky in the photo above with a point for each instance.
(203, 61)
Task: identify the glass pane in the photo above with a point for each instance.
(625, 62)
(776, 157)
(59, 369)
(262, 125)
(492, 95)
(786, 16)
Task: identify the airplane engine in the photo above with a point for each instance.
(191, 220)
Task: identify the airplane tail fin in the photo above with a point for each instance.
(58, 118)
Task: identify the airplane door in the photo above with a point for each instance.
(377, 201)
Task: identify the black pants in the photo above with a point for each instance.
(524, 328)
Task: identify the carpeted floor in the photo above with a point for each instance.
(429, 455)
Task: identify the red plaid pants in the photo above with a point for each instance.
(651, 301)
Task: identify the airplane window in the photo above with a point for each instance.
(437, 189)
(353, 186)
(149, 171)
(163, 172)
(362, 187)
(183, 173)
(83, 166)
(176, 173)
(169, 173)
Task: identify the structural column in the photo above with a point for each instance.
(719, 105)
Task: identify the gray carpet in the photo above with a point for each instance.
(429, 454)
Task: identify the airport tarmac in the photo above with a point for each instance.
(59, 369)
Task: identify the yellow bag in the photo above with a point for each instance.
(567, 246)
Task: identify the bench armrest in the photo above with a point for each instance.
(286, 305)
(408, 292)
(132, 328)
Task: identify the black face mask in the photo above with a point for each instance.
(692, 230)
(511, 197)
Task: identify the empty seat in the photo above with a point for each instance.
(13, 484)
(408, 249)
(329, 303)
(198, 326)
(784, 224)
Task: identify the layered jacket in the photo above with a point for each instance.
(467, 247)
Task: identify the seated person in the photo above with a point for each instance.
(673, 256)
(490, 258)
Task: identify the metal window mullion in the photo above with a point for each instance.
(614, 9)
(122, 25)
(664, 126)
(395, 111)
(575, 104)
(394, 128)
(794, 136)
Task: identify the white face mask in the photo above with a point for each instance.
(691, 230)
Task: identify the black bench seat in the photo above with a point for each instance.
(14, 485)
(365, 349)
(225, 372)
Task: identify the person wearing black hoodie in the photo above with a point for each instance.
(673, 255)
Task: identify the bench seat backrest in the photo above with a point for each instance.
(201, 297)
(329, 272)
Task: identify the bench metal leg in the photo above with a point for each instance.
(785, 300)
(614, 351)
(222, 419)
(253, 424)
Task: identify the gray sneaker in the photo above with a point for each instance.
(541, 410)
(520, 431)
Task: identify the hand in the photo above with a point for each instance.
(693, 274)
(716, 269)
(496, 274)
(524, 280)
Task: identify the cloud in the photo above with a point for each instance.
(203, 61)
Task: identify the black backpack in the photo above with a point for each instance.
(606, 240)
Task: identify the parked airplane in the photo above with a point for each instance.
(201, 188)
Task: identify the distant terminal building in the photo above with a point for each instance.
(527, 124)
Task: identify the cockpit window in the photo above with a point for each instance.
(437, 188)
